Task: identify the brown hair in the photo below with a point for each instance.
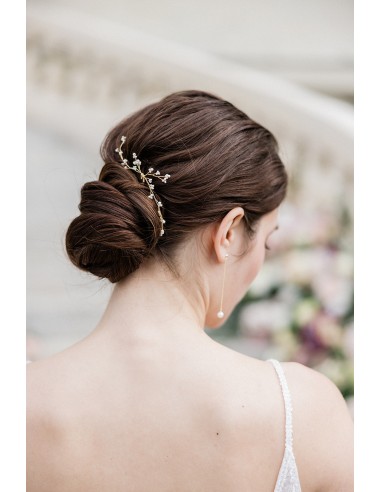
(218, 159)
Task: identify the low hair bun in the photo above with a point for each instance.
(118, 226)
(216, 157)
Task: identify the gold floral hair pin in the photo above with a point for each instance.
(145, 177)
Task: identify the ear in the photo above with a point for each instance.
(226, 232)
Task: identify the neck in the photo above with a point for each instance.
(150, 308)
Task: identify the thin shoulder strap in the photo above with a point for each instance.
(287, 400)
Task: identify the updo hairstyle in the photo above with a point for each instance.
(218, 159)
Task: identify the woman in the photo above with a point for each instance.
(179, 221)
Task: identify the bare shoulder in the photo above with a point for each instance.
(42, 430)
(44, 381)
(323, 429)
(36, 427)
(39, 377)
(316, 384)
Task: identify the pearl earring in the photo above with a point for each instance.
(220, 313)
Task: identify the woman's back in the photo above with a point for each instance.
(149, 402)
(214, 421)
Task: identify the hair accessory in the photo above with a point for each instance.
(220, 313)
(145, 177)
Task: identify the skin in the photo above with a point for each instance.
(149, 402)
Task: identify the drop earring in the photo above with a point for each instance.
(220, 313)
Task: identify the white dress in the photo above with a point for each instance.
(288, 477)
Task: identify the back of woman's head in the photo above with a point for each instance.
(217, 157)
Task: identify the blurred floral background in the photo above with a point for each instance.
(289, 65)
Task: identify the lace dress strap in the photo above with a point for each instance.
(288, 476)
(287, 401)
